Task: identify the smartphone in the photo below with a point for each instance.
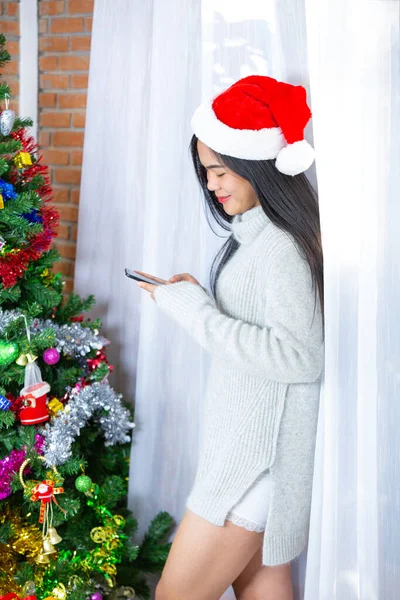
(138, 277)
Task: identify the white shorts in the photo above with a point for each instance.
(251, 511)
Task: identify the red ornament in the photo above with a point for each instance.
(77, 319)
(44, 493)
(35, 400)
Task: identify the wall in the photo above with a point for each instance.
(64, 47)
(63, 62)
(9, 20)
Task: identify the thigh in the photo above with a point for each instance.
(261, 581)
(204, 559)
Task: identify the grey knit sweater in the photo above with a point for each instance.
(262, 394)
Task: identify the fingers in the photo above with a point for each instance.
(182, 277)
(146, 286)
(151, 276)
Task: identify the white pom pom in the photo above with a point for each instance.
(295, 158)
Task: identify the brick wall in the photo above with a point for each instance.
(64, 48)
(9, 18)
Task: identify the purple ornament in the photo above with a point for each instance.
(96, 596)
(51, 356)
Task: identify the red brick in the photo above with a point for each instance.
(10, 68)
(68, 212)
(80, 6)
(54, 44)
(66, 25)
(72, 100)
(78, 120)
(75, 196)
(43, 25)
(74, 63)
(12, 10)
(68, 287)
(44, 139)
(51, 8)
(47, 100)
(68, 176)
(60, 195)
(54, 82)
(64, 232)
(54, 119)
(74, 233)
(66, 249)
(14, 105)
(13, 48)
(88, 24)
(48, 63)
(10, 28)
(79, 81)
(76, 157)
(63, 267)
(14, 85)
(56, 157)
(80, 43)
(68, 138)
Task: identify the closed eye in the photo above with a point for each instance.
(222, 174)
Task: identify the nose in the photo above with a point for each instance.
(212, 183)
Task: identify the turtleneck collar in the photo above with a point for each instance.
(246, 226)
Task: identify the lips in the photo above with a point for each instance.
(223, 199)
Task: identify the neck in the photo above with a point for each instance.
(246, 226)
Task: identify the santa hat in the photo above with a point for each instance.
(258, 118)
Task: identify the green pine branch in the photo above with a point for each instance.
(7, 419)
(9, 146)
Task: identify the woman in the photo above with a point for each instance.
(247, 515)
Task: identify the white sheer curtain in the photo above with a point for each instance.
(151, 64)
(354, 64)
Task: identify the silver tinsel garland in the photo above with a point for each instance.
(82, 405)
(71, 340)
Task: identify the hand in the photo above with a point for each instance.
(151, 288)
(183, 277)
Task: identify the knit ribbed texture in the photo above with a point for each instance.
(261, 403)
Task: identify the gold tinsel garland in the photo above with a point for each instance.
(26, 540)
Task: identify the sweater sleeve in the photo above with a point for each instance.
(287, 348)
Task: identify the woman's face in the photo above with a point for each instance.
(227, 184)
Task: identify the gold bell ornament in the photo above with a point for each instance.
(42, 559)
(44, 492)
(53, 536)
(47, 547)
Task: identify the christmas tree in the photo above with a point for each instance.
(65, 531)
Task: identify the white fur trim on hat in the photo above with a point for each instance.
(251, 144)
(295, 158)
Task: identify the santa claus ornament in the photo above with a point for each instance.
(258, 118)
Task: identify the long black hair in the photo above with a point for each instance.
(289, 201)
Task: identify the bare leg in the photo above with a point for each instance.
(204, 559)
(260, 582)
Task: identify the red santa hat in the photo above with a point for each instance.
(258, 118)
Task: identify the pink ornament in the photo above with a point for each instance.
(51, 356)
(96, 596)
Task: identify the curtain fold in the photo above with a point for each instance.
(152, 62)
(353, 50)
